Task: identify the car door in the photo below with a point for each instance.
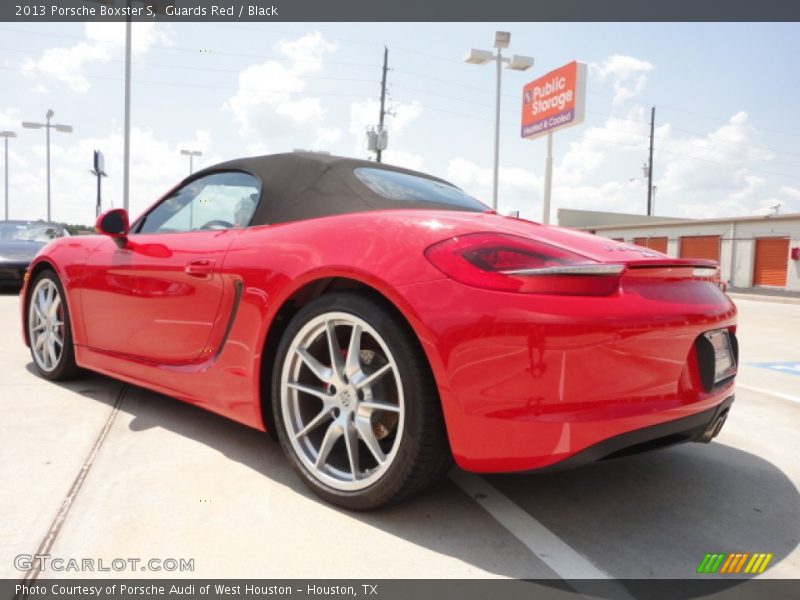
(157, 296)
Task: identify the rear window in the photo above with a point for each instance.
(410, 188)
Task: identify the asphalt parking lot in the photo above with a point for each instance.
(98, 469)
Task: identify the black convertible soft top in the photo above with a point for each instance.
(306, 185)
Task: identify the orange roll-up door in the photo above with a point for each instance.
(700, 246)
(659, 244)
(772, 255)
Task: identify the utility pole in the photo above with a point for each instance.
(383, 100)
(650, 163)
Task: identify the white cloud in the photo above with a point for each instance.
(307, 52)
(143, 35)
(611, 196)
(696, 176)
(790, 191)
(709, 176)
(10, 121)
(103, 42)
(519, 189)
(257, 149)
(66, 65)
(789, 200)
(404, 159)
(616, 136)
(326, 138)
(270, 103)
(156, 165)
(200, 141)
(628, 75)
(9, 118)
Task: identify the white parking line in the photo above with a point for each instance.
(768, 392)
(547, 546)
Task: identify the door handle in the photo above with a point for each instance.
(202, 267)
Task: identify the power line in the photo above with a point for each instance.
(726, 120)
(196, 50)
(669, 143)
(688, 143)
(444, 96)
(206, 69)
(206, 86)
(615, 142)
(284, 35)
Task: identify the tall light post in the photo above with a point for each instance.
(6, 135)
(191, 154)
(48, 126)
(158, 7)
(514, 62)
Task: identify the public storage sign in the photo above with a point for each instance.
(554, 101)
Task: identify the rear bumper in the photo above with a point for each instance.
(527, 381)
(700, 427)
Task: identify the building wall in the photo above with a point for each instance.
(737, 251)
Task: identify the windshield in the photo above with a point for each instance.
(29, 232)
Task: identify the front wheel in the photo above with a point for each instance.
(49, 330)
(355, 405)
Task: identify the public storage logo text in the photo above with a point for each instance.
(554, 101)
(736, 562)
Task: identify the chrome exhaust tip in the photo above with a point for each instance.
(713, 429)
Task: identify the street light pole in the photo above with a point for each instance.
(157, 7)
(47, 133)
(6, 135)
(191, 154)
(126, 154)
(48, 126)
(516, 63)
(496, 174)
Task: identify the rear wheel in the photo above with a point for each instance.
(356, 409)
(49, 329)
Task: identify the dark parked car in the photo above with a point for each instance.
(19, 243)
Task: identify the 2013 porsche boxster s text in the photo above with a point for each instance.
(381, 322)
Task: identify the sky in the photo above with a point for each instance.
(726, 98)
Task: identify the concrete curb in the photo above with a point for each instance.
(763, 298)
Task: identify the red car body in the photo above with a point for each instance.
(525, 380)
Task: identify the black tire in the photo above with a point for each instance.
(64, 367)
(422, 455)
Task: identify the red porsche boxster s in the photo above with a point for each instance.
(381, 322)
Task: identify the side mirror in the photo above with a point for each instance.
(114, 223)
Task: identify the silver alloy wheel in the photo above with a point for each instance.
(46, 325)
(342, 401)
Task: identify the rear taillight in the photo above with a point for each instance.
(515, 264)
